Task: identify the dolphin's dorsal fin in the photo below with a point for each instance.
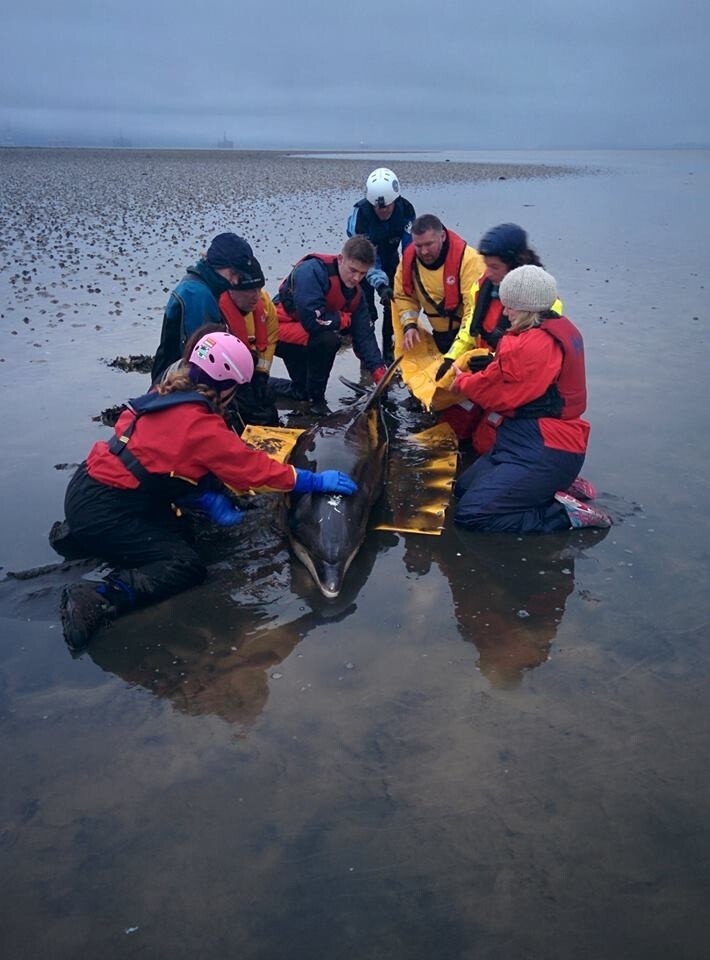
(383, 384)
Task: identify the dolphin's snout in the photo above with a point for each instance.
(329, 579)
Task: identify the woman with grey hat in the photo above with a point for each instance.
(535, 388)
(503, 248)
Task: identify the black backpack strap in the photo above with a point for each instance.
(483, 302)
(139, 407)
(119, 447)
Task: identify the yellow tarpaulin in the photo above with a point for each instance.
(278, 442)
(420, 475)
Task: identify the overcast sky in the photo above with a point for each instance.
(327, 73)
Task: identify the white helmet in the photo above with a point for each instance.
(382, 187)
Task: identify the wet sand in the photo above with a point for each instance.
(487, 747)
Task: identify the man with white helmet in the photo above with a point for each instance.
(385, 217)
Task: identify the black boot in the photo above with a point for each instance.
(83, 610)
(284, 389)
(319, 408)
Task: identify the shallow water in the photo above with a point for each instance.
(487, 746)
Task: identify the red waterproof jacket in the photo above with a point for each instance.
(189, 442)
(538, 373)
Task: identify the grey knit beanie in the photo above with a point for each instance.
(528, 288)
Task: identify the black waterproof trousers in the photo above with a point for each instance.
(309, 365)
(387, 331)
(139, 537)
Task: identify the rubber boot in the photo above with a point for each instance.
(582, 514)
(83, 610)
(284, 389)
(319, 408)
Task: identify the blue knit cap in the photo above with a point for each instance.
(230, 250)
(506, 241)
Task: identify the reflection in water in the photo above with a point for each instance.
(508, 595)
(224, 669)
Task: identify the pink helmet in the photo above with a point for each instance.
(224, 358)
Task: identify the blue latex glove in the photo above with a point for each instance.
(217, 507)
(377, 278)
(327, 481)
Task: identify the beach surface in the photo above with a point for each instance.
(487, 747)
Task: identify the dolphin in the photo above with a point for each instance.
(326, 530)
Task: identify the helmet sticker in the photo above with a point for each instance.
(204, 348)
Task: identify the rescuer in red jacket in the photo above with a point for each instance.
(536, 386)
(171, 448)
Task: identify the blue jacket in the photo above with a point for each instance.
(310, 287)
(386, 235)
(192, 303)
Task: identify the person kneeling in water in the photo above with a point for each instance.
(536, 388)
(171, 448)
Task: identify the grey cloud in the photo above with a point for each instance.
(445, 74)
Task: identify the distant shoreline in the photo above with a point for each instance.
(413, 167)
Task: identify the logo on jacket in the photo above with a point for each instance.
(451, 280)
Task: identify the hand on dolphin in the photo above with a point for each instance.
(327, 481)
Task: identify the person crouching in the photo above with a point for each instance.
(171, 449)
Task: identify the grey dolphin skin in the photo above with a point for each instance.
(326, 530)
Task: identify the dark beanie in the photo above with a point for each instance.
(505, 241)
(229, 250)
